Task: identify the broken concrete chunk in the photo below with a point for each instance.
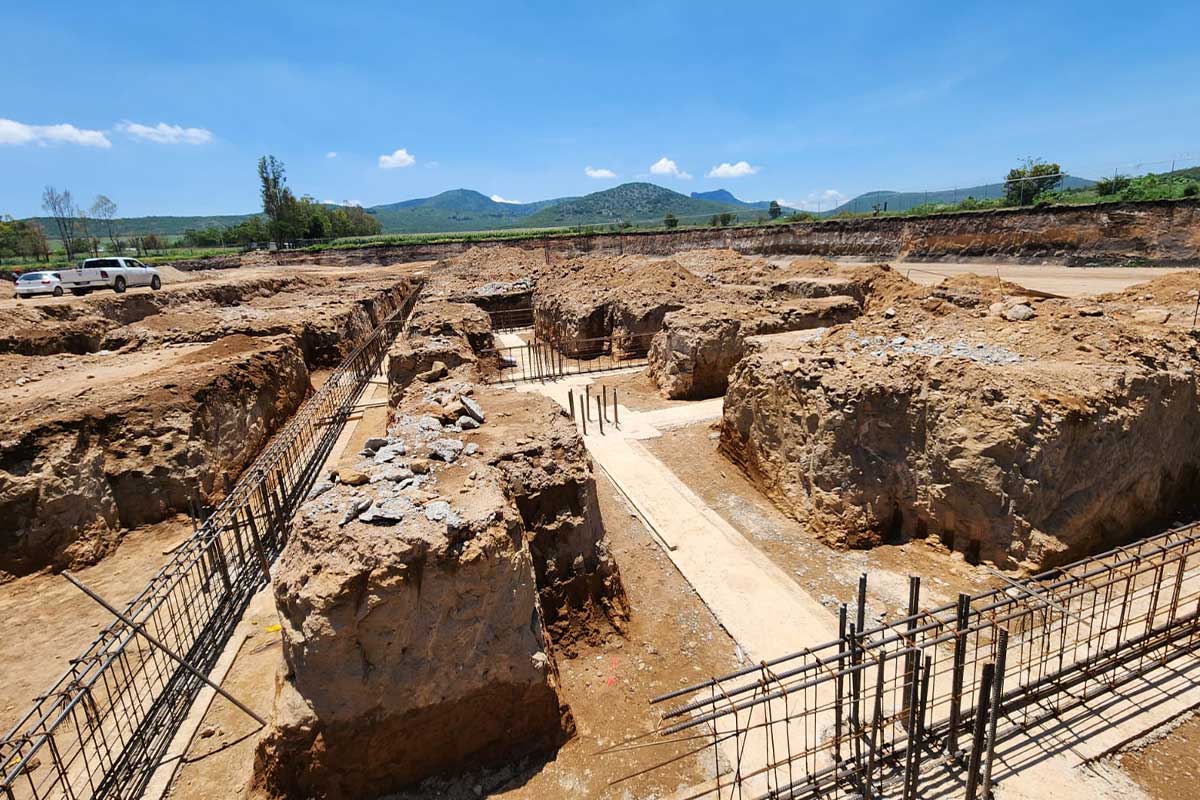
(440, 511)
(429, 423)
(355, 508)
(389, 452)
(384, 512)
(467, 423)
(471, 449)
(1019, 313)
(474, 410)
(392, 473)
(373, 444)
(319, 488)
(447, 450)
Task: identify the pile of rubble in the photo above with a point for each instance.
(1022, 430)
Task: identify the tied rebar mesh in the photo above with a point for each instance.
(548, 360)
(103, 727)
(866, 714)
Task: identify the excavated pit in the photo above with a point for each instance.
(622, 300)
(171, 394)
(1023, 431)
(427, 593)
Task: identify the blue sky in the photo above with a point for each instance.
(170, 104)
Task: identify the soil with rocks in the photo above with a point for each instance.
(427, 594)
(625, 298)
(1025, 431)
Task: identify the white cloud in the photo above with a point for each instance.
(342, 202)
(15, 133)
(599, 172)
(665, 166)
(162, 133)
(727, 170)
(399, 158)
(817, 201)
(498, 199)
(331, 154)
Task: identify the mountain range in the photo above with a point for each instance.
(460, 210)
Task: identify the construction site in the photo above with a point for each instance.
(692, 520)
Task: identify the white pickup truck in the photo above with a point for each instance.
(117, 274)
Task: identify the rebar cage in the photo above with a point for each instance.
(858, 716)
(102, 728)
(544, 360)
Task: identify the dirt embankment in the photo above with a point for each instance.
(427, 595)
(326, 315)
(1021, 431)
(137, 405)
(624, 298)
(1162, 232)
(103, 445)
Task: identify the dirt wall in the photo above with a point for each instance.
(1166, 232)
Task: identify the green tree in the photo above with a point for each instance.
(727, 218)
(279, 204)
(775, 210)
(1026, 182)
(670, 220)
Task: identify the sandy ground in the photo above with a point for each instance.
(54, 621)
(1052, 278)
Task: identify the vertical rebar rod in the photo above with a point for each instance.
(583, 414)
(913, 742)
(604, 390)
(616, 414)
(587, 402)
(861, 618)
(956, 680)
(839, 688)
(876, 720)
(910, 660)
(922, 706)
(980, 729)
(997, 709)
(600, 414)
(571, 404)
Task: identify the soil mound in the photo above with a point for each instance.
(1023, 433)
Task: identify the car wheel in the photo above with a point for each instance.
(79, 292)
(155, 283)
(58, 291)
(119, 285)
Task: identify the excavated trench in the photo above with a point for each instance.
(429, 590)
(108, 440)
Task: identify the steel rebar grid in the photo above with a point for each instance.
(841, 714)
(550, 359)
(102, 728)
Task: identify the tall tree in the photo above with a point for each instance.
(1026, 182)
(775, 210)
(105, 211)
(61, 207)
(279, 204)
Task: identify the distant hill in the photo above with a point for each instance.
(629, 201)
(144, 226)
(455, 210)
(725, 196)
(903, 201)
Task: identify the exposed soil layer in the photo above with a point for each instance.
(135, 406)
(1026, 432)
(441, 338)
(1164, 232)
(624, 298)
(101, 456)
(427, 594)
(697, 347)
(493, 278)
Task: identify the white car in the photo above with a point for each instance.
(32, 283)
(117, 274)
